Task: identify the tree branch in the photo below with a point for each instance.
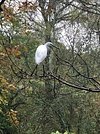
(75, 86)
(2, 1)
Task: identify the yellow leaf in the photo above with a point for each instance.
(11, 87)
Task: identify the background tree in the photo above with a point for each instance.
(62, 96)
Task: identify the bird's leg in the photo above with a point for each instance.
(43, 71)
(35, 69)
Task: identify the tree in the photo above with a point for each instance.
(75, 66)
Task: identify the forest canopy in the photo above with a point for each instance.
(62, 94)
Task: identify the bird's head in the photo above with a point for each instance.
(50, 45)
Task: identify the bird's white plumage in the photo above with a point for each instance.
(40, 54)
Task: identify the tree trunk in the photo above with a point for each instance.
(47, 121)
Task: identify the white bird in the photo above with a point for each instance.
(41, 52)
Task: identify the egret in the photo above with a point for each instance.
(42, 52)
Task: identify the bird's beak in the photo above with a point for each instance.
(54, 46)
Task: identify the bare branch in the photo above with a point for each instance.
(75, 86)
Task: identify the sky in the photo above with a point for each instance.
(66, 33)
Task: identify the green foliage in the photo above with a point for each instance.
(5, 125)
(57, 132)
(38, 103)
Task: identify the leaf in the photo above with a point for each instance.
(28, 6)
(8, 14)
(11, 87)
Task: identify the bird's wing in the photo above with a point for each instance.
(40, 54)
